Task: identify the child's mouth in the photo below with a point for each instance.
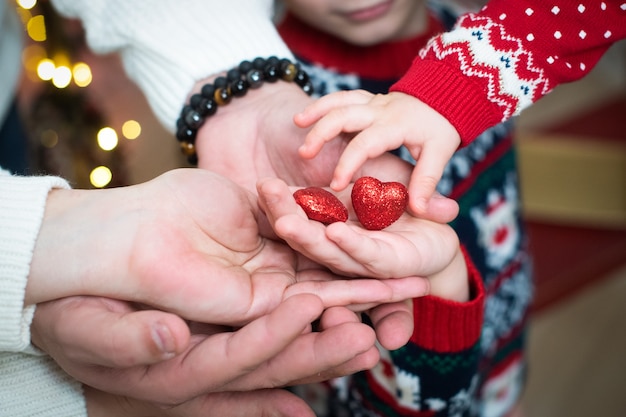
(370, 13)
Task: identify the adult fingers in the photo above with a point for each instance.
(266, 402)
(99, 331)
(393, 323)
(341, 346)
(214, 361)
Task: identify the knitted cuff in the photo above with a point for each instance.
(448, 326)
(450, 93)
(22, 206)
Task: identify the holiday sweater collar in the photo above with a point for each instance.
(389, 60)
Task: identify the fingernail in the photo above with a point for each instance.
(163, 338)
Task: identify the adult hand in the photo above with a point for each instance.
(107, 344)
(187, 242)
(263, 141)
(267, 402)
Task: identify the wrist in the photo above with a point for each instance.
(76, 242)
(248, 75)
(453, 282)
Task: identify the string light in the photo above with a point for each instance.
(107, 139)
(61, 77)
(100, 176)
(131, 129)
(82, 74)
(50, 58)
(36, 28)
(27, 4)
(45, 69)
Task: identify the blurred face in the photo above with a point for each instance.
(363, 22)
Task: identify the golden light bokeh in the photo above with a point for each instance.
(82, 74)
(107, 139)
(36, 28)
(45, 69)
(27, 4)
(131, 129)
(62, 76)
(100, 176)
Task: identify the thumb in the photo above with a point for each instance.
(109, 332)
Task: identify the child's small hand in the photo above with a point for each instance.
(411, 247)
(384, 122)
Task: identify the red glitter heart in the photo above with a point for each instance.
(378, 204)
(321, 205)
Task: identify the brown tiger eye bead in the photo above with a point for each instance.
(188, 148)
(222, 96)
(289, 71)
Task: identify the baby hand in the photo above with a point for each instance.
(384, 122)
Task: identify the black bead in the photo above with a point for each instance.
(258, 63)
(185, 134)
(255, 78)
(273, 61)
(308, 88)
(271, 73)
(195, 100)
(208, 90)
(245, 66)
(220, 82)
(207, 107)
(239, 88)
(233, 75)
(193, 119)
(193, 159)
(301, 78)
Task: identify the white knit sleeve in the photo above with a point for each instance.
(22, 206)
(36, 386)
(168, 45)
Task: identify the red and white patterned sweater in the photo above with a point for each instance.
(497, 62)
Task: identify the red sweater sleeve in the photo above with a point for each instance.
(495, 63)
(448, 326)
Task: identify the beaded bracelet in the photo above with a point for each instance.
(235, 84)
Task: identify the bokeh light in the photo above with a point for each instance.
(49, 138)
(100, 176)
(131, 129)
(82, 74)
(62, 76)
(107, 138)
(27, 4)
(45, 69)
(36, 28)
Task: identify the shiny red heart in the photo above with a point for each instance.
(378, 204)
(321, 205)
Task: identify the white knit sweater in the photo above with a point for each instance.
(30, 383)
(169, 45)
(166, 47)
